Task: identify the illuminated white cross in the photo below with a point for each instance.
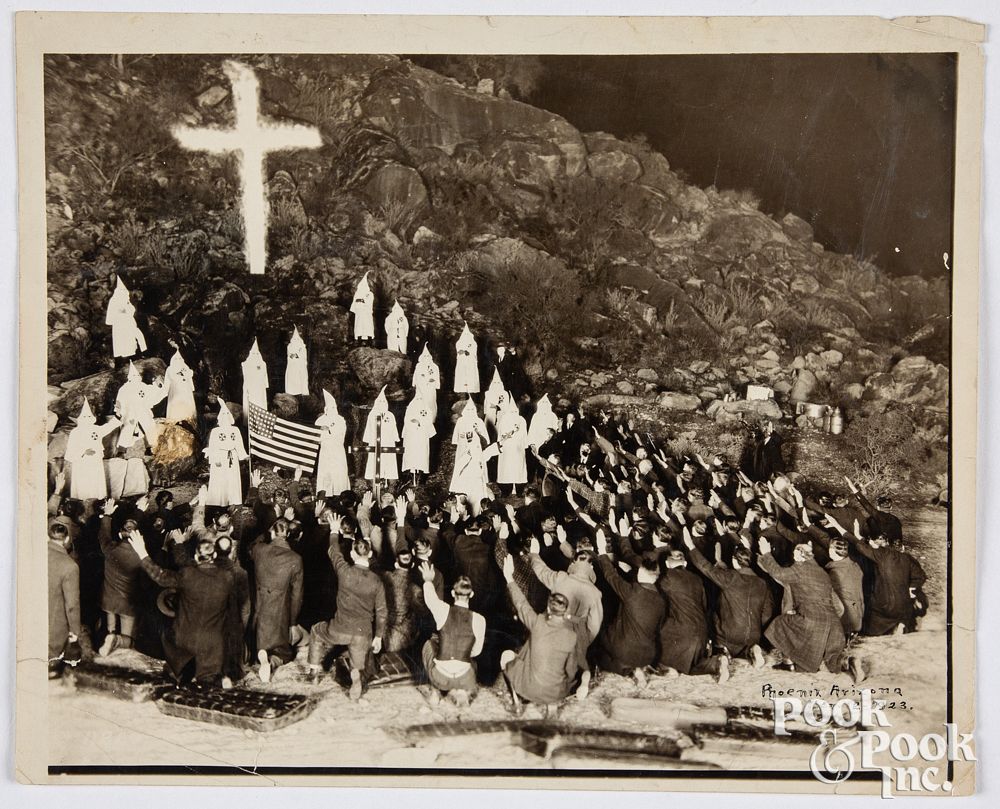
(252, 138)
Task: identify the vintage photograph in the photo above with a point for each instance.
(469, 412)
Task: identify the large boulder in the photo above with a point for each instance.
(913, 380)
(175, 455)
(797, 228)
(393, 184)
(804, 385)
(375, 367)
(99, 389)
(734, 411)
(614, 167)
(672, 400)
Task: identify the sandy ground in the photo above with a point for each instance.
(909, 671)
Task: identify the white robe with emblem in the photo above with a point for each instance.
(225, 450)
(418, 429)
(85, 456)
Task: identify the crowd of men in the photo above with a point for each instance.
(580, 546)
(616, 557)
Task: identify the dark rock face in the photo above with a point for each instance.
(430, 187)
(377, 367)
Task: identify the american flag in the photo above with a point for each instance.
(281, 441)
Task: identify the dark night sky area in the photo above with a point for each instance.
(860, 145)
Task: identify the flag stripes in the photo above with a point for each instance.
(281, 441)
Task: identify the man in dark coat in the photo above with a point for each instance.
(745, 604)
(204, 593)
(765, 454)
(472, 553)
(813, 634)
(898, 579)
(120, 593)
(64, 601)
(684, 633)
(278, 577)
(628, 642)
(847, 580)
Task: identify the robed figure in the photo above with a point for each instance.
(427, 380)
(496, 395)
(544, 423)
(134, 406)
(297, 370)
(180, 391)
(397, 329)
(512, 440)
(382, 437)
(126, 339)
(255, 382)
(225, 451)
(469, 476)
(332, 476)
(466, 363)
(418, 429)
(363, 308)
(85, 455)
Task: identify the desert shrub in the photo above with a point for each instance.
(588, 211)
(130, 241)
(538, 301)
(883, 448)
(620, 300)
(398, 215)
(683, 445)
(286, 216)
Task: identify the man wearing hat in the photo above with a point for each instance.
(64, 600)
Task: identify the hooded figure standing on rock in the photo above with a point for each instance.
(332, 476)
(363, 308)
(418, 429)
(255, 382)
(297, 370)
(180, 391)
(225, 450)
(469, 475)
(397, 329)
(126, 339)
(85, 456)
(427, 380)
(466, 363)
(134, 406)
(381, 429)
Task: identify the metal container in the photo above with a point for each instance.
(837, 422)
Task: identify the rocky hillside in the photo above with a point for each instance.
(623, 284)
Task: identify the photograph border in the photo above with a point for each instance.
(39, 33)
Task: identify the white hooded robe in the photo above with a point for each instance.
(469, 477)
(180, 391)
(512, 438)
(255, 382)
(85, 456)
(397, 329)
(225, 450)
(381, 427)
(418, 429)
(466, 363)
(363, 308)
(332, 475)
(126, 339)
(297, 370)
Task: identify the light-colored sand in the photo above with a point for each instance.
(88, 728)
